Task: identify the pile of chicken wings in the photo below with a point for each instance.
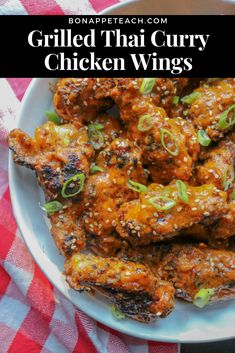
(138, 177)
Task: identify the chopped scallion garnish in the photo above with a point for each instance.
(182, 190)
(191, 97)
(162, 203)
(147, 85)
(202, 297)
(52, 116)
(96, 168)
(145, 123)
(225, 121)
(117, 313)
(52, 207)
(73, 186)
(174, 150)
(203, 138)
(137, 186)
(175, 100)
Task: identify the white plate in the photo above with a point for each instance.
(185, 324)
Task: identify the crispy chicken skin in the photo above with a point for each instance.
(224, 227)
(218, 233)
(142, 223)
(190, 268)
(218, 166)
(132, 287)
(56, 153)
(108, 189)
(80, 99)
(213, 99)
(67, 228)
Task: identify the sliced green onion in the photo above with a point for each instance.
(70, 184)
(147, 85)
(66, 140)
(203, 138)
(162, 203)
(52, 207)
(202, 297)
(175, 100)
(96, 168)
(52, 116)
(191, 97)
(96, 126)
(164, 133)
(228, 179)
(182, 190)
(223, 122)
(137, 186)
(117, 313)
(95, 135)
(145, 123)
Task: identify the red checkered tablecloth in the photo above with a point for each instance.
(34, 316)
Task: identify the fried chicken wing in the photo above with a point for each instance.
(56, 153)
(218, 166)
(108, 189)
(79, 100)
(191, 268)
(211, 101)
(161, 213)
(169, 145)
(132, 287)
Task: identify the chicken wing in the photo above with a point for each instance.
(135, 291)
(169, 145)
(56, 153)
(161, 213)
(79, 100)
(211, 107)
(191, 268)
(108, 189)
